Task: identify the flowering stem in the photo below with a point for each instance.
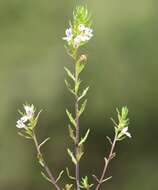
(77, 169)
(107, 161)
(44, 164)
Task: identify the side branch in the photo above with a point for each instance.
(107, 161)
(43, 163)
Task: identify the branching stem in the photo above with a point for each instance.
(45, 166)
(107, 161)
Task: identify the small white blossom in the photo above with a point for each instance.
(125, 132)
(69, 35)
(29, 111)
(24, 119)
(86, 33)
(20, 124)
(81, 27)
(77, 41)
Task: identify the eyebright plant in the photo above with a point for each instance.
(78, 34)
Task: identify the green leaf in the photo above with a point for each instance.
(72, 156)
(77, 85)
(85, 184)
(79, 153)
(23, 135)
(69, 87)
(59, 176)
(34, 121)
(69, 73)
(72, 120)
(42, 143)
(45, 177)
(71, 133)
(82, 107)
(68, 174)
(40, 159)
(84, 138)
(84, 93)
(79, 66)
(68, 186)
(104, 180)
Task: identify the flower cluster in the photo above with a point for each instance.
(78, 37)
(29, 113)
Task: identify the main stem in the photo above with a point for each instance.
(77, 167)
(107, 163)
(45, 166)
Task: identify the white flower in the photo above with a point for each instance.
(20, 124)
(81, 27)
(125, 132)
(29, 111)
(69, 35)
(77, 41)
(24, 118)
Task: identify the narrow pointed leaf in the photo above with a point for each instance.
(77, 86)
(45, 177)
(71, 133)
(68, 174)
(72, 156)
(83, 93)
(103, 181)
(79, 67)
(72, 120)
(69, 73)
(82, 107)
(42, 143)
(84, 138)
(69, 87)
(59, 176)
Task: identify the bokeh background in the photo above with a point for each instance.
(122, 70)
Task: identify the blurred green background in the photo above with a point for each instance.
(122, 70)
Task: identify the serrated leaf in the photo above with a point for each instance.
(72, 120)
(72, 156)
(84, 138)
(82, 107)
(83, 93)
(71, 133)
(69, 73)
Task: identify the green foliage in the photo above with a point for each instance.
(83, 106)
(72, 120)
(71, 133)
(72, 156)
(69, 73)
(68, 187)
(123, 117)
(84, 138)
(83, 93)
(85, 184)
(81, 16)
